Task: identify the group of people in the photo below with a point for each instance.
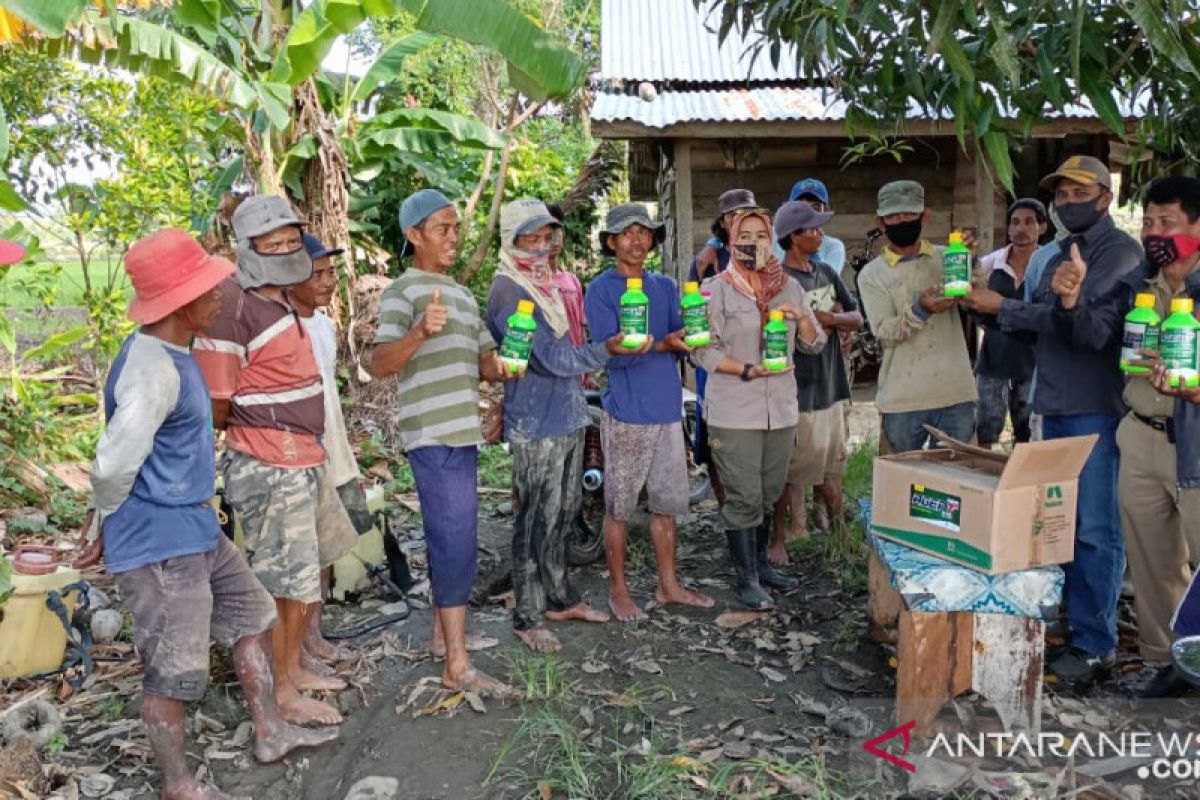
(242, 348)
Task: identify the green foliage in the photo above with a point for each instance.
(6, 587)
(56, 745)
(996, 69)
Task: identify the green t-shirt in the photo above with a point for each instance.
(439, 387)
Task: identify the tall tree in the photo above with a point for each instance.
(995, 68)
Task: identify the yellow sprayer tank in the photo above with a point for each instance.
(32, 639)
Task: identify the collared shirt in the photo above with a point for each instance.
(548, 400)
(1139, 395)
(1078, 351)
(925, 363)
(257, 355)
(736, 328)
(439, 386)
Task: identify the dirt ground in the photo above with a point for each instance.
(689, 703)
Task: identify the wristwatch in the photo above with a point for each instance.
(746, 371)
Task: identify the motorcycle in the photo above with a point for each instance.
(586, 543)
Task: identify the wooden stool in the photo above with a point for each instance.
(944, 654)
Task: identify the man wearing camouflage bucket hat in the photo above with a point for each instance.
(152, 484)
(640, 430)
(268, 397)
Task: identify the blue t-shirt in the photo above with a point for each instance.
(645, 389)
(154, 473)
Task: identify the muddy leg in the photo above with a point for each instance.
(287, 637)
(458, 672)
(162, 718)
(273, 738)
(616, 543)
(314, 641)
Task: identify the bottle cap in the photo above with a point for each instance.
(524, 306)
(633, 283)
(691, 286)
(1144, 300)
(775, 316)
(1183, 304)
(956, 237)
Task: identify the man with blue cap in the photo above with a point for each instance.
(431, 337)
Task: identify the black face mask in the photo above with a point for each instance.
(904, 234)
(1078, 217)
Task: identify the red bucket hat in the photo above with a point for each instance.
(168, 270)
(10, 252)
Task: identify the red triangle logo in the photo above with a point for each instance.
(904, 730)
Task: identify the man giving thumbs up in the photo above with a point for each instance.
(430, 336)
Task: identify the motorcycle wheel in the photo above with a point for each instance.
(586, 543)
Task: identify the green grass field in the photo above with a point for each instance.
(23, 286)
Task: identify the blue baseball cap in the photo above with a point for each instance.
(316, 249)
(416, 208)
(810, 186)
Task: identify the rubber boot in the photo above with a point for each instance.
(741, 552)
(767, 575)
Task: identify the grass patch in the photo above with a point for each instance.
(846, 555)
(539, 676)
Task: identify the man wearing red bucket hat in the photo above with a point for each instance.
(152, 487)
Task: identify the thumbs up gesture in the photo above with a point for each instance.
(1068, 278)
(435, 316)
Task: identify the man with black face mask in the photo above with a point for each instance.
(925, 377)
(1157, 539)
(1076, 319)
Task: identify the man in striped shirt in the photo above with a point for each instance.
(268, 397)
(432, 338)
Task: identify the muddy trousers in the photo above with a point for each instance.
(547, 473)
(1158, 541)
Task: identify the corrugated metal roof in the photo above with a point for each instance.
(670, 40)
(770, 104)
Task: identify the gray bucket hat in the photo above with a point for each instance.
(734, 199)
(621, 217)
(262, 213)
(797, 215)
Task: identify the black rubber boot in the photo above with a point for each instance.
(741, 552)
(767, 574)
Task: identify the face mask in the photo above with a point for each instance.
(1164, 250)
(904, 234)
(746, 254)
(1078, 217)
(281, 269)
(535, 262)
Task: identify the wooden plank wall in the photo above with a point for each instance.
(770, 167)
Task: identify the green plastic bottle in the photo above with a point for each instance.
(1180, 354)
(1141, 331)
(518, 340)
(956, 267)
(775, 342)
(695, 316)
(635, 314)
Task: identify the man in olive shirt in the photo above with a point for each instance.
(925, 377)
(1157, 541)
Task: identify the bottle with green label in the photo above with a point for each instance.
(518, 340)
(956, 267)
(1141, 332)
(1178, 339)
(695, 316)
(775, 342)
(635, 314)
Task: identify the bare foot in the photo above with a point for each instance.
(306, 681)
(475, 643)
(192, 790)
(295, 707)
(539, 640)
(580, 611)
(777, 554)
(472, 680)
(678, 594)
(314, 665)
(324, 649)
(624, 608)
(289, 738)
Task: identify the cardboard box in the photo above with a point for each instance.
(991, 512)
